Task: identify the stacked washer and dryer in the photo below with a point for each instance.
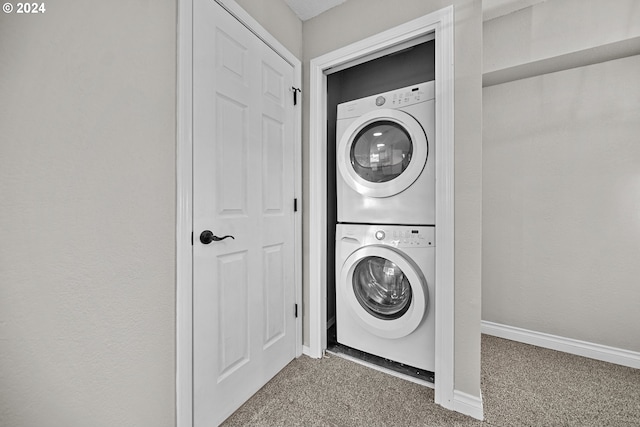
(385, 232)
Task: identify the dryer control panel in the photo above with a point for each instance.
(408, 96)
(394, 99)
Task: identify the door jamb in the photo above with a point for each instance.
(184, 194)
(442, 22)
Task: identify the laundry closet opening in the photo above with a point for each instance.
(401, 69)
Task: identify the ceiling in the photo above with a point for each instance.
(307, 9)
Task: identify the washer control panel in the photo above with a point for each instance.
(405, 237)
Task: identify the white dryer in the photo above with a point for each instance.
(385, 157)
(385, 291)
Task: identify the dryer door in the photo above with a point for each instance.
(384, 290)
(382, 153)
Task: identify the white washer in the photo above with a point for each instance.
(385, 157)
(385, 291)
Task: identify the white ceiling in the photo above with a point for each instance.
(307, 9)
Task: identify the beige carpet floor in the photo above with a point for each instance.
(522, 385)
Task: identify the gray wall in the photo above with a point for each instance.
(561, 230)
(358, 19)
(87, 210)
(559, 29)
(277, 18)
(87, 201)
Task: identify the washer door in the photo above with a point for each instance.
(382, 153)
(384, 290)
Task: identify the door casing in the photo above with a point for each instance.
(441, 23)
(184, 196)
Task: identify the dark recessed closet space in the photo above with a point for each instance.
(406, 67)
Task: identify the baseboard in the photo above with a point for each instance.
(568, 345)
(468, 404)
(306, 350)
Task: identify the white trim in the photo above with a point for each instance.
(306, 350)
(442, 23)
(297, 245)
(184, 217)
(591, 350)
(568, 345)
(468, 404)
(184, 191)
(445, 219)
(317, 208)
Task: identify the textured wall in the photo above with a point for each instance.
(87, 201)
(358, 19)
(561, 209)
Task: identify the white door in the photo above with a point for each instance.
(243, 177)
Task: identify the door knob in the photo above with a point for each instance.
(207, 237)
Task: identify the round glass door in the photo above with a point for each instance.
(381, 151)
(384, 290)
(381, 288)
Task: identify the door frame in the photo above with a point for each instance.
(184, 194)
(442, 23)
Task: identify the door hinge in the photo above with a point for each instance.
(295, 205)
(295, 94)
(295, 310)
